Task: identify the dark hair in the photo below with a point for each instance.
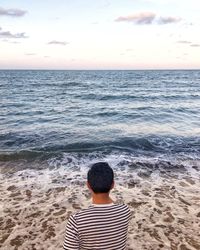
(100, 177)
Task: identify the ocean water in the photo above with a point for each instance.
(55, 124)
(49, 117)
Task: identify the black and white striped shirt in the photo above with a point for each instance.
(99, 227)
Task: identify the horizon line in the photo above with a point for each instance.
(102, 69)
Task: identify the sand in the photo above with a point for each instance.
(164, 200)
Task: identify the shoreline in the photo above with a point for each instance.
(165, 205)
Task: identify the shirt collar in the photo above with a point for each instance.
(102, 205)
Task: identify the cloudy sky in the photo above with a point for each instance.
(100, 34)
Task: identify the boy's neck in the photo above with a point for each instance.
(101, 198)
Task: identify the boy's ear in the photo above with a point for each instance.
(88, 185)
(113, 184)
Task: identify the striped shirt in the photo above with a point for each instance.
(99, 227)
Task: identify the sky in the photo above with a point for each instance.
(100, 34)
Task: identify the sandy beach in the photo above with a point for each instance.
(164, 200)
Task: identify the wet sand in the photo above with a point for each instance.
(164, 200)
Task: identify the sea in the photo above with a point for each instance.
(55, 124)
(53, 118)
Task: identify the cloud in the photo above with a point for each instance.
(195, 45)
(138, 18)
(189, 43)
(148, 18)
(12, 12)
(170, 19)
(94, 23)
(184, 42)
(10, 41)
(9, 35)
(30, 54)
(58, 42)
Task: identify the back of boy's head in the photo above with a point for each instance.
(100, 177)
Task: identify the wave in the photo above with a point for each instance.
(151, 145)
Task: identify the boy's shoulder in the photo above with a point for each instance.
(95, 208)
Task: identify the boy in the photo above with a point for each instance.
(103, 225)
